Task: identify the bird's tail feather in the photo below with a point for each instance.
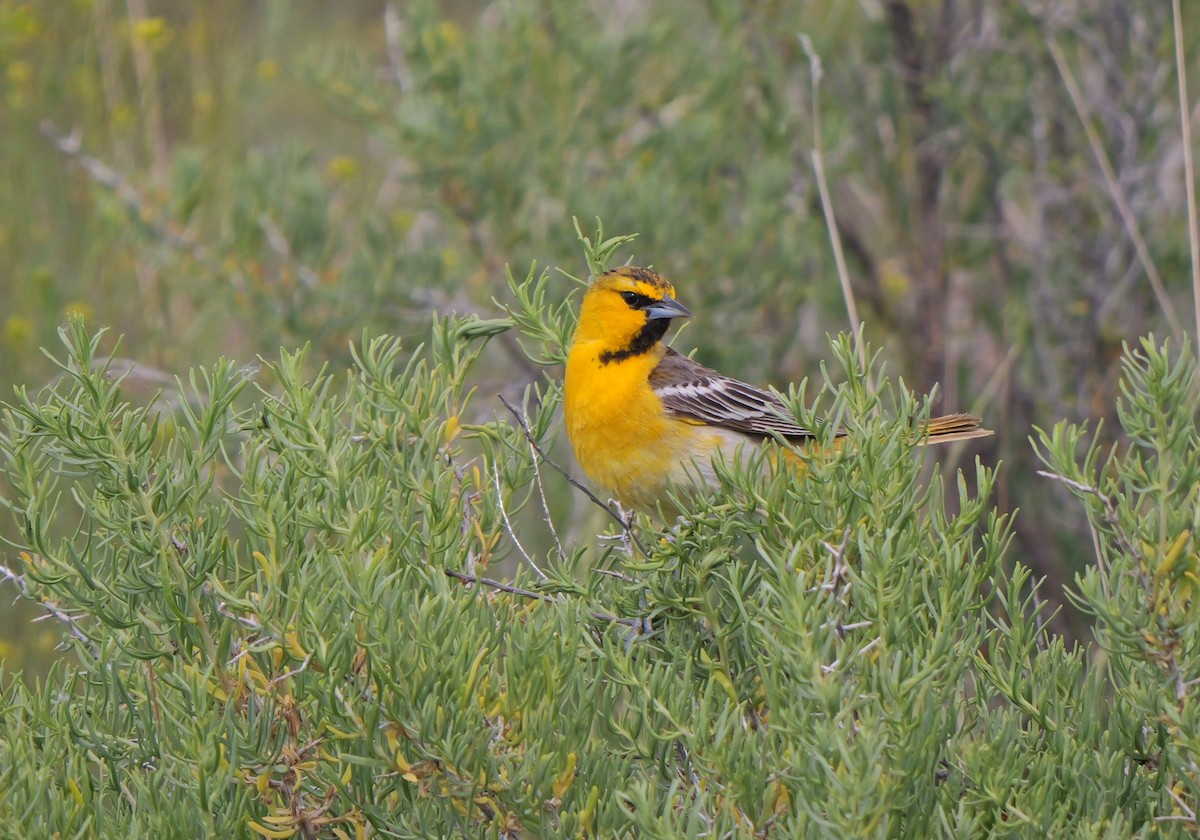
(949, 428)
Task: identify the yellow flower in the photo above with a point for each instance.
(154, 32)
(18, 330)
(78, 307)
(341, 168)
(19, 72)
(268, 69)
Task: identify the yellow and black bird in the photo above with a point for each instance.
(643, 419)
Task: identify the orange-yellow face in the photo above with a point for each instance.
(628, 309)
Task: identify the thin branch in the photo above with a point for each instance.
(869, 646)
(835, 239)
(1042, 617)
(279, 243)
(537, 477)
(503, 587)
(577, 485)
(1114, 188)
(249, 622)
(627, 537)
(1110, 511)
(686, 769)
(148, 86)
(152, 685)
(635, 623)
(1189, 172)
(1098, 547)
(152, 221)
(508, 526)
(642, 625)
(51, 608)
(393, 29)
(1189, 815)
(845, 628)
(138, 207)
(840, 567)
(299, 670)
(1141, 572)
(613, 573)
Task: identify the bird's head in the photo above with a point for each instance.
(629, 309)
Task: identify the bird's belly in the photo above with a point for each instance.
(634, 452)
(624, 444)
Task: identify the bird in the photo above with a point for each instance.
(643, 419)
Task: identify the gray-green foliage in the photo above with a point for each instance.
(284, 623)
(1142, 505)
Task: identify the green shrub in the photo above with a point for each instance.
(226, 178)
(338, 605)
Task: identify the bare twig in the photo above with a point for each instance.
(152, 685)
(687, 770)
(1100, 564)
(152, 221)
(835, 239)
(1189, 172)
(622, 521)
(627, 537)
(503, 587)
(393, 30)
(635, 623)
(869, 646)
(508, 526)
(1116, 192)
(840, 567)
(845, 628)
(148, 86)
(249, 622)
(613, 573)
(103, 174)
(1110, 510)
(1189, 815)
(1041, 617)
(537, 478)
(52, 609)
(279, 243)
(1141, 572)
(109, 60)
(641, 625)
(298, 670)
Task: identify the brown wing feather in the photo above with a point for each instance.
(951, 427)
(693, 392)
(698, 394)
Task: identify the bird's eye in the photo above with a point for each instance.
(633, 299)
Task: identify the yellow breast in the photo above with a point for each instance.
(622, 437)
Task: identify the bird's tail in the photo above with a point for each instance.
(949, 428)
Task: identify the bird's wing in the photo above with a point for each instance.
(697, 394)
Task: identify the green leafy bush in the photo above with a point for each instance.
(226, 178)
(339, 605)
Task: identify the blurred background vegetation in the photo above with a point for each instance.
(219, 178)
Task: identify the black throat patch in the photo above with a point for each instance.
(646, 338)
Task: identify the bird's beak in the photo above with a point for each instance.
(666, 309)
